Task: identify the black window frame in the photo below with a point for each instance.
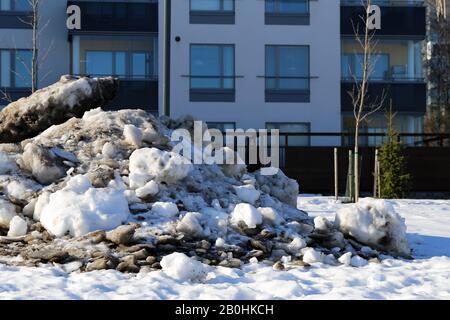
(212, 94)
(286, 18)
(287, 95)
(212, 16)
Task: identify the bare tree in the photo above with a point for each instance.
(363, 108)
(38, 27)
(438, 113)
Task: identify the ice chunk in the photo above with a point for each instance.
(133, 135)
(271, 216)
(181, 267)
(296, 245)
(153, 164)
(247, 193)
(244, 212)
(17, 227)
(312, 256)
(321, 224)
(374, 223)
(78, 211)
(7, 213)
(358, 262)
(189, 225)
(7, 165)
(346, 258)
(150, 189)
(165, 209)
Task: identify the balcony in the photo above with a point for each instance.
(398, 18)
(136, 94)
(407, 95)
(122, 17)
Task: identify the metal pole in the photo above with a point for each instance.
(166, 56)
(336, 177)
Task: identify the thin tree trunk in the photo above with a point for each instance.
(34, 62)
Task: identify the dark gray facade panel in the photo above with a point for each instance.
(301, 96)
(203, 95)
(196, 17)
(405, 97)
(134, 94)
(15, 94)
(407, 21)
(14, 20)
(278, 19)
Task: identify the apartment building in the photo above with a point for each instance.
(284, 64)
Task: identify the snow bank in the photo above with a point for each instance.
(375, 223)
(79, 209)
(153, 164)
(246, 213)
(181, 267)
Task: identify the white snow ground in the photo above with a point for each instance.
(425, 277)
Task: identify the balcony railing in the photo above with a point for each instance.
(406, 96)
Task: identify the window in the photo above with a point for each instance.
(15, 66)
(352, 65)
(15, 5)
(212, 5)
(132, 65)
(287, 74)
(286, 12)
(212, 72)
(212, 12)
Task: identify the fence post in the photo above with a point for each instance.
(336, 175)
(351, 177)
(375, 175)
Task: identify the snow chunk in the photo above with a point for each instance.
(346, 259)
(80, 209)
(6, 164)
(271, 216)
(41, 163)
(17, 227)
(181, 267)
(375, 223)
(150, 189)
(153, 164)
(296, 245)
(165, 209)
(244, 212)
(358, 262)
(247, 193)
(109, 150)
(321, 224)
(312, 256)
(133, 135)
(7, 213)
(190, 226)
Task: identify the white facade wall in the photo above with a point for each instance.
(250, 35)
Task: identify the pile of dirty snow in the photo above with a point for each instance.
(107, 191)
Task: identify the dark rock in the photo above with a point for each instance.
(121, 235)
